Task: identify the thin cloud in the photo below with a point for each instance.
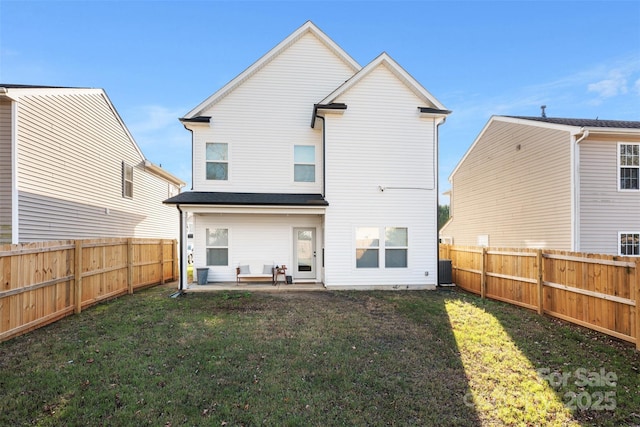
(615, 85)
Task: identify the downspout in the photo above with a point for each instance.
(182, 258)
(15, 195)
(324, 162)
(437, 188)
(575, 188)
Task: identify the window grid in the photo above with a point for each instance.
(629, 166)
(127, 181)
(630, 244)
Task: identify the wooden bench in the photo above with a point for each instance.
(255, 273)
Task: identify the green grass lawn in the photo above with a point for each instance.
(321, 359)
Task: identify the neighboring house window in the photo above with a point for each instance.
(127, 180)
(396, 245)
(304, 159)
(629, 244)
(217, 161)
(217, 246)
(629, 166)
(367, 247)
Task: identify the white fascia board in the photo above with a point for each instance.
(397, 70)
(258, 210)
(162, 173)
(308, 27)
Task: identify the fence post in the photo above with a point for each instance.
(483, 275)
(176, 264)
(637, 308)
(162, 261)
(130, 265)
(77, 293)
(540, 283)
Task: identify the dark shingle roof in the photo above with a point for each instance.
(254, 199)
(596, 123)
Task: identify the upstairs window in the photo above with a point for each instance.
(629, 166)
(217, 161)
(217, 246)
(629, 244)
(304, 167)
(127, 181)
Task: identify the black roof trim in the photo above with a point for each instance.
(332, 106)
(596, 123)
(198, 119)
(19, 86)
(247, 199)
(433, 110)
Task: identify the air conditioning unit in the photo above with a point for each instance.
(445, 276)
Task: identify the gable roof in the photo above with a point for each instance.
(400, 73)
(595, 123)
(573, 126)
(308, 27)
(15, 91)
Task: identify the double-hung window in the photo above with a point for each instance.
(217, 161)
(217, 246)
(367, 247)
(629, 244)
(304, 163)
(628, 166)
(127, 181)
(396, 245)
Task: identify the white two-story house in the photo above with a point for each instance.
(308, 160)
(550, 183)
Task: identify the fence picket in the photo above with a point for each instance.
(592, 290)
(45, 281)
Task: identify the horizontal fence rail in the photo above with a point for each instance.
(43, 282)
(599, 292)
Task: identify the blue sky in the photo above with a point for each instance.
(158, 59)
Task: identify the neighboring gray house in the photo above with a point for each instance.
(557, 183)
(69, 169)
(310, 160)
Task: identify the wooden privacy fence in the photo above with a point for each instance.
(599, 292)
(45, 281)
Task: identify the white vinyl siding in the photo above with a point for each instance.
(604, 210)
(264, 117)
(254, 240)
(5, 172)
(71, 146)
(514, 186)
(380, 144)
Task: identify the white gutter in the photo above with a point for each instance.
(575, 189)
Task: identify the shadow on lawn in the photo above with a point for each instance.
(441, 370)
(593, 375)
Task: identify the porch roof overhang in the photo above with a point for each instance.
(227, 202)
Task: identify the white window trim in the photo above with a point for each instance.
(381, 248)
(314, 164)
(227, 162)
(125, 167)
(228, 247)
(406, 248)
(619, 166)
(620, 233)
